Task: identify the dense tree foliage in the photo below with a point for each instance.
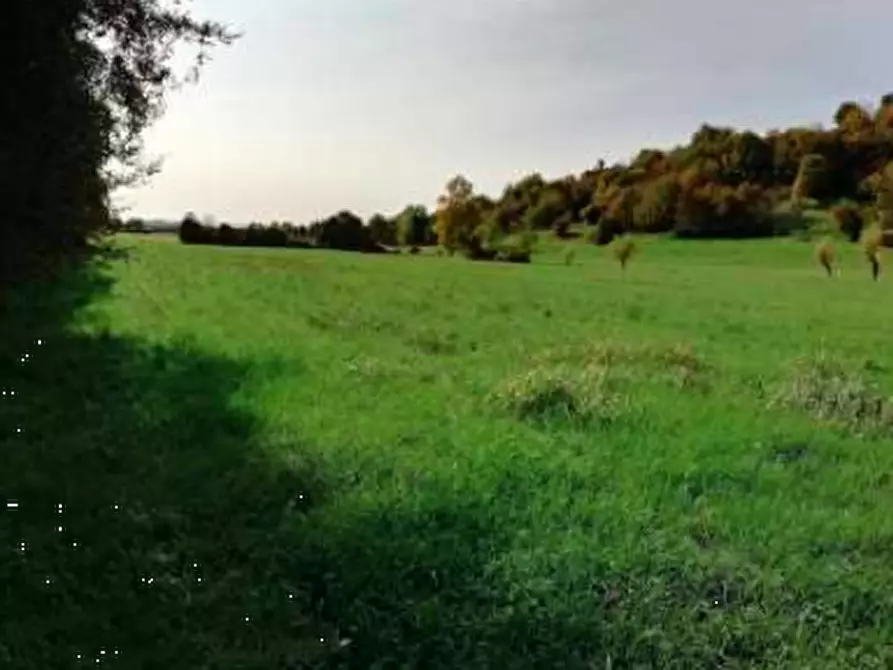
(723, 183)
(415, 227)
(82, 80)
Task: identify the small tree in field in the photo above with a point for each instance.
(623, 251)
(826, 255)
(872, 242)
(458, 215)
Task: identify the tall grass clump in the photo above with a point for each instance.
(676, 364)
(829, 391)
(562, 393)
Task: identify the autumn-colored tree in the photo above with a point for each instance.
(458, 215)
(619, 208)
(655, 211)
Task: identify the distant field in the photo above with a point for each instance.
(399, 462)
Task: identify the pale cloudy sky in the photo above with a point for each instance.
(373, 104)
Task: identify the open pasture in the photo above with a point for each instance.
(343, 461)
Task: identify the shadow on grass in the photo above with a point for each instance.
(147, 523)
(142, 522)
(155, 527)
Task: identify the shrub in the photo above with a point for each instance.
(516, 248)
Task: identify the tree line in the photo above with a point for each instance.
(413, 228)
(723, 183)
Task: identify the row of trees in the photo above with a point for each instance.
(723, 184)
(345, 231)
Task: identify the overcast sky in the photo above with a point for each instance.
(372, 104)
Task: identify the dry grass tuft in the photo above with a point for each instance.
(829, 391)
(563, 393)
(677, 364)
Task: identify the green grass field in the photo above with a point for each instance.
(303, 459)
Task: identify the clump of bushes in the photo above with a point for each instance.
(829, 391)
(562, 393)
(516, 248)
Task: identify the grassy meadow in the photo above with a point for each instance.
(248, 458)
